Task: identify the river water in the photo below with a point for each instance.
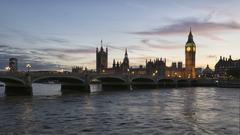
(180, 111)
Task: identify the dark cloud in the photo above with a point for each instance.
(43, 59)
(160, 45)
(204, 27)
(24, 56)
(89, 50)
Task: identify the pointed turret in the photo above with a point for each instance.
(230, 58)
(126, 54)
(114, 63)
(101, 49)
(190, 37)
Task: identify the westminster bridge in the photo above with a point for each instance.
(20, 83)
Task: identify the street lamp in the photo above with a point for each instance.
(28, 66)
(7, 68)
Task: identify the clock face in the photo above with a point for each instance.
(188, 49)
(194, 49)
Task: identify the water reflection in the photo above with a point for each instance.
(46, 89)
(161, 111)
(2, 89)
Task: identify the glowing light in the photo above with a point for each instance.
(7, 68)
(28, 66)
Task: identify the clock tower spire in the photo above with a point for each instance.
(190, 53)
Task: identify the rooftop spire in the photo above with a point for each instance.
(190, 36)
(101, 45)
(126, 54)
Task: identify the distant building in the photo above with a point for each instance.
(156, 67)
(13, 64)
(198, 71)
(226, 67)
(77, 69)
(121, 67)
(125, 64)
(175, 70)
(101, 59)
(137, 70)
(207, 72)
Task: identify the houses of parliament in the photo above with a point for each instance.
(156, 67)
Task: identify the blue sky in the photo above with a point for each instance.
(51, 34)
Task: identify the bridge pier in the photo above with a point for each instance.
(18, 90)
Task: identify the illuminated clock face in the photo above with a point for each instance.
(194, 49)
(188, 49)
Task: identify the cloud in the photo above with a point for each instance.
(57, 40)
(158, 45)
(203, 26)
(89, 50)
(24, 56)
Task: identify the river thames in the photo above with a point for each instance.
(180, 111)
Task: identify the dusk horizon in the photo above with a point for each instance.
(52, 35)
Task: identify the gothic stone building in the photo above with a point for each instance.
(226, 67)
(101, 59)
(158, 67)
(121, 67)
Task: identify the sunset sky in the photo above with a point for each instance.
(54, 34)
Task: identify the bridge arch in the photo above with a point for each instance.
(59, 79)
(112, 83)
(166, 83)
(143, 83)
(12, 80)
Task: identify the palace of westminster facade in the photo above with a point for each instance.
(155, 67)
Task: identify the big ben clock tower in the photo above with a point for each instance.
(190, 52)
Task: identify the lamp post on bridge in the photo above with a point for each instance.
(7, 68)
(28, 66)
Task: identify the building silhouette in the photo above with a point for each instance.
(156, 67)
(101, 59)
(207, 72)
(125, 64)
(226, 66)
(121, 67)
(190, 52)
(13, 64)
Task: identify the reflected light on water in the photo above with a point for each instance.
(46, 89)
